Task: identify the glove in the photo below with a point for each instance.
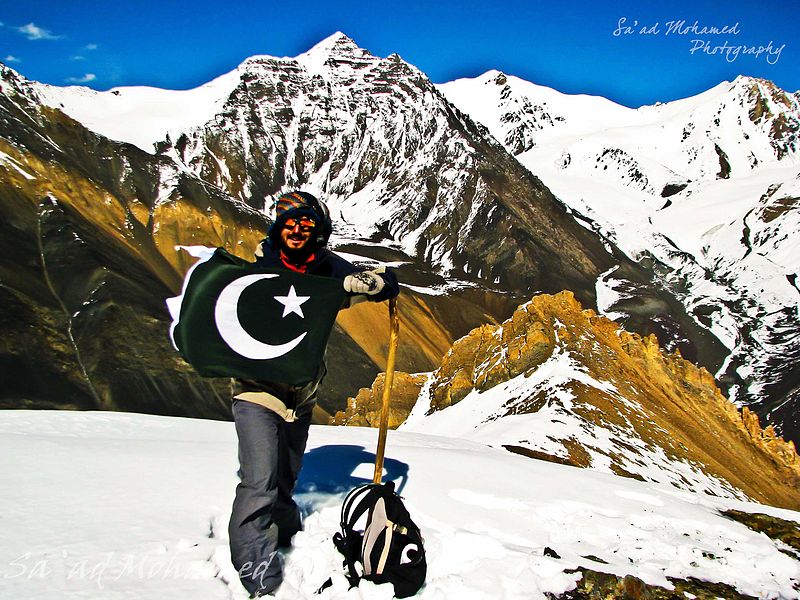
(363, 282)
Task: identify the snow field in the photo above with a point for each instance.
(119, 506)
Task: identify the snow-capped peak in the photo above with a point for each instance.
(335, 42)
(336, 47)
(521, 114)
(143, 115)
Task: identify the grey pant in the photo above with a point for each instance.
(264, 515)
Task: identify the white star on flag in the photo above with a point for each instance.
(292, 302)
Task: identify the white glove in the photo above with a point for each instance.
(363, 282)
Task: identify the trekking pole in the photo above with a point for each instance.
(394, 329)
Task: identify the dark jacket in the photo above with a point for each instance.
(293, 402)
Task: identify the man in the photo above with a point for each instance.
(272, 418)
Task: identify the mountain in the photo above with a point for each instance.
(145, 516)
(411, 183)
(558, 382)
(704, 189)
(396, 162)
(86, 223)
(89, 233)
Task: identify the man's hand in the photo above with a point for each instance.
(363, 282)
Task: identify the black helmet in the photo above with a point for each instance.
(294, 205)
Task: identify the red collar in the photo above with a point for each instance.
(301, 268)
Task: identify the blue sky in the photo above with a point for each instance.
(632, 52)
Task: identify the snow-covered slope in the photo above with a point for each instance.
(705, 188)
(499, 417)
(99, 505)
(749, 121)
(141, 116)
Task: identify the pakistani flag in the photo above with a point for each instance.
(235, 319)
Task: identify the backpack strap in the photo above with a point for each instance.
(350, 500)
(366, 495)
(348, 541)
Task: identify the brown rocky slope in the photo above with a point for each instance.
(622, 405)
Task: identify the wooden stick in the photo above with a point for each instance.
(394, 330)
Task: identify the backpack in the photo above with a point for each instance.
(390, 549)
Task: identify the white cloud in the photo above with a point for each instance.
(11, 59)
(90, 47)
(78, 57)
(34, 32)
(85, 79)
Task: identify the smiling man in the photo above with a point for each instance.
(295, 234)
(272, 418)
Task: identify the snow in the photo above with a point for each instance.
(493, 417)
(141, 115)
(314, 59)
(123, 506)
(729, 244)
(607, 294)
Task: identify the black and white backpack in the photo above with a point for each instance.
(390, 548)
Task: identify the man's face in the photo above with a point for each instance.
(296, 233)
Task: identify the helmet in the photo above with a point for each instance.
(294, 205)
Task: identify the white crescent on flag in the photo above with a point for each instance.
(231, 330)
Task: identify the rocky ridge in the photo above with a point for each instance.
(559, 382)
(703, 189)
